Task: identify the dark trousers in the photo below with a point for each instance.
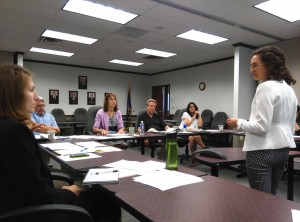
(100, 204)
(265, 168)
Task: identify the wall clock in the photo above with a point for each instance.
(202, 86)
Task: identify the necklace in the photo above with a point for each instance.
(111, 114)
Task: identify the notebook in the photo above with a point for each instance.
(101, 176)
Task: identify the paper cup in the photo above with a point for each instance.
(131, 131)
(51, 135)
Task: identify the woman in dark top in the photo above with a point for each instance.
(25, 179)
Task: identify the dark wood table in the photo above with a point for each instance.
(234, 156)
(290, 182)
(124, 183)
(213, 200)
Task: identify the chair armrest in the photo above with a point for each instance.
(62, 177)
(44, 210)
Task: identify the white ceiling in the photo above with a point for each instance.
(23, 21)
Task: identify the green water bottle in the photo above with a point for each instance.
(172, 151)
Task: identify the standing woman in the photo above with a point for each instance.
(25, 179)
(270, 129)
(109, 119)
(193, 120)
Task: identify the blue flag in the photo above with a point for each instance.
(129, 108)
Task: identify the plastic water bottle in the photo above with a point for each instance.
(172, 151)
(184, 127)
(142, 128)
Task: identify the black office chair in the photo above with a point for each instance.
(152, 144)
(80, 115)
(90, 119)
(60, 118)
(207, 117)
(49, 212)
(219, 140)
(174, 120)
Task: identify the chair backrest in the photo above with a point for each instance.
(90, 118)
(138, 118)
(175, 117)
(207, 116)
(179, 117)
(59, 115)
(219, 119)
(80, 115)
(47, 213)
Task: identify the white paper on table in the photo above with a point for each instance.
(130, 168)
(93, 146)
(61, 146)
(90, 144)
(296, 215)
(125, 164)
(68, 158)
(167, 179)
(84, 137)
(120, 135)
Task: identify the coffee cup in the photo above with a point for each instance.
(221, 127)
(51, 135)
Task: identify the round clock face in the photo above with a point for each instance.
(202, 86)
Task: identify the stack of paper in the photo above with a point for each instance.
(101, 176)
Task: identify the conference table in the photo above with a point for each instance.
(233, 156)
(213, 200)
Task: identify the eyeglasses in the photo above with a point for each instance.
(254, 66)
(40, 106)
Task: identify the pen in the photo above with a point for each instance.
(83, 150)
(113, 171)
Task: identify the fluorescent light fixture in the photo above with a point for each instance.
(52, 52)
(123, 62)
(155, 53)
(99, 11)
(68, 37)
(201, 37)
(288, 9)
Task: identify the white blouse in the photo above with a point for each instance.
(272, 119)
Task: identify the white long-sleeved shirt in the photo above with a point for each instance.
(272, 119)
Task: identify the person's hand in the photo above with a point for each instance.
(196, 115)
(36, 127)
(104, 132)
(232, 122)
(74, 188)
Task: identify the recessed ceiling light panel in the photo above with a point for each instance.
(155, 52)
(123, 62)
(52, 52)
(99, 11)
(201, 37)
(68, 37)
(288, 9)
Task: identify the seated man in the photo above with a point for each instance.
(152, 120)
(45, 120)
